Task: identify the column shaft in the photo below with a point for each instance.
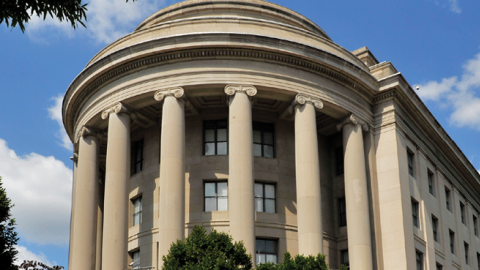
(72, 213)
(172, 174)
(117, 176)
(84, 234)
(241, 181)
(309, 211)
(356, 197)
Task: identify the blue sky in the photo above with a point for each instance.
(434, 43)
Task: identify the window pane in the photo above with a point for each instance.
(222, 189)
(257, 150)
(222, 135)
(261, 258)
(209, 149)
(258, 204)
(210, 204)
(138, 167)
(209, 135)
(260, 245)
(257, 136)
(209, 189)
(270, 246)
(272, 258)
(222, 124)
(270, 191)
(259, 190)
(268, 138)
(136, 219)
(268, 151)
(222, 204)
(270, 206)
(222, 148)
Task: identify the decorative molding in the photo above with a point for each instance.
(352, 119)
(303, 99)
(382, 96)
(89, 131)
(250, 90)
(177, 92)
(74, 158)
(118, 108)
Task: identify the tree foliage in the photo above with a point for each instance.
(19, 12)
(38, 265)
(202, 251)
(300, 262)
(8, 236)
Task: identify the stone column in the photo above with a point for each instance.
(74, 158)
(172, 169)
(117, 177)
(307, 166)
(240, 157)
(84, 233)
(356, 195)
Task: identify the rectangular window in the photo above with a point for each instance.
(419, 259)
(265, 198)
(135, 256)
(339, 162)
(466, 247)
(263, 140)
(462, 212)
(478, 261)
(216, 196)
(410, 162)
(475, 225)
(439, 267)
(342, 212)
(452, 242)
(215, 137)
(137, 211)
(136, 159)
(431, 183)
(266, 251)
(415, 213)
(435, 228)
(344, 258)
(447, 198)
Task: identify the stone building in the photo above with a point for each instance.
(244, 116)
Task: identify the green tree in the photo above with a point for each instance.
(8, 236)
(18, 12)
(202, 251)
(300, 262)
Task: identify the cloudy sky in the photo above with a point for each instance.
(434, 43)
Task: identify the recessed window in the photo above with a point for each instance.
(447, 199)
(439, 267)
(215, 138)
(265, 197)
(462, 212)
(266, 251)
(478, 260)
(342, 212)
(137, 211)
(216, 196)
(410, 158)
(344, 258)
(435, 228)
(466, 248)
(339, 161)
(415, 213)
(475, 225)
(452, 241)
(136, 159)
(263, 140)
(135, 256)
(419, 260)
(431, 183)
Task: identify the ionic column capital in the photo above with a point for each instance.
(231, 89)
(88, 131)
(353, 120)
(119, 108)
(74, 158)
(301, 99)
(176, 92)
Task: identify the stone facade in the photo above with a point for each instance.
(308, 147)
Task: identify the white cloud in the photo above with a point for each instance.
(107, 21)
(40, 187)
(461, 95)
(26, 255)
(55, 113)
(454, 6)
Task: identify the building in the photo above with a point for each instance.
(244, 116)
